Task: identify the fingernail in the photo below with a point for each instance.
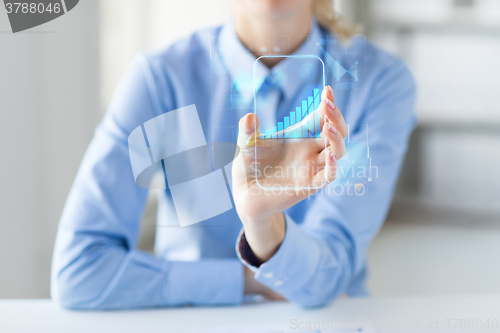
(332, 157)
(332, 128)
(330, 104)
(330, 90)
(250, 126)
(324, 93)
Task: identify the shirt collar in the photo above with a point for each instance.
(240, 62)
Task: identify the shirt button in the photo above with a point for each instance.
(278, 283)
(268, 275)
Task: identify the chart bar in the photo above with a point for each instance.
(305, 109)
(287, 124)
(310, 103)
(292, 122)
(280, 129)
(317, 98)
(298, 118)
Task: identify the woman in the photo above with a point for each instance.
(306, 251)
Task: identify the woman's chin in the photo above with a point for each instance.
(274, 7)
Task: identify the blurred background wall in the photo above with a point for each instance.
(442, 235)
(49, 105)
(443, 232)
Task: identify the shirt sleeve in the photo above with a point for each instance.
(324, 250)
(96, 264)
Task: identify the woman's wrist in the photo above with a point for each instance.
(265, 235)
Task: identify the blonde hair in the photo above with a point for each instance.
(329, 19)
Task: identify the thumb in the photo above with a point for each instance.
(248, 130)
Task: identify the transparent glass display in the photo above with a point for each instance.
(288, 146)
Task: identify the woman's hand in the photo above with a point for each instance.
(290, 169)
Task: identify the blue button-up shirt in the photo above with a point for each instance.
(96, 263)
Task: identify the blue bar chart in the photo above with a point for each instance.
(288, 129)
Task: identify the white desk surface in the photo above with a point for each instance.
(44, 316)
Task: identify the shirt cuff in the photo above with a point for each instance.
(294, 263)
(206, 282)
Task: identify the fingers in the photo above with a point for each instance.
(331, 167)
(329, 173)
(320, 160)
(328, 108)
(248, 130)
(335, 140)
(321, 143)
(274, 296)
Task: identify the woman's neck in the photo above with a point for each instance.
(264, 35)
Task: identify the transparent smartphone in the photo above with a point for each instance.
(288, 146)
